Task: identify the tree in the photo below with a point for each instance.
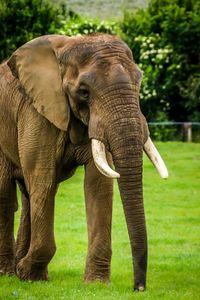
(165, 40)
(23, 20)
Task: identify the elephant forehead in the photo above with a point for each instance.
(87, 50)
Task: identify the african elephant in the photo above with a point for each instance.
(64, 102)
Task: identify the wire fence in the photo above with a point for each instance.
(175, 131)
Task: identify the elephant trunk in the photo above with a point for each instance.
(125, 138)
(126, 145)
(120, 126)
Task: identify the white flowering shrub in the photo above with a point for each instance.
(154, 60)
(79, 26)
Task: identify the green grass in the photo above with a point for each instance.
(172, 210)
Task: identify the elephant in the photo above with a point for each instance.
(65, 102)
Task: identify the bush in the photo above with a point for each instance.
(165, 40)
(165, 133)
(77, 25)
(23, 20)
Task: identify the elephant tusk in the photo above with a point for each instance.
(99, 156)
(156, 159)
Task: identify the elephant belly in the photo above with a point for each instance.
(8, 142)
(9, 103)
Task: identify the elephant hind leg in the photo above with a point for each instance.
(8, 201)
(24, 231)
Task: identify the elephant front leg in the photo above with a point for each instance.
(7, 208)
(98, 197)
(24, 231)
(42, 245)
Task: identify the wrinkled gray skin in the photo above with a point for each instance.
(56, 94)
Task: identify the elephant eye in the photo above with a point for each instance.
(83, 93)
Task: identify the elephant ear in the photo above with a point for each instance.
(36, 66)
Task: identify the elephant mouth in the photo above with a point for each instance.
(99, 156)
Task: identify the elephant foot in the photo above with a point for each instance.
(28, 271)
(94, 272)
(7, 266)
(89, 278)
(139, 288)
(18, 258)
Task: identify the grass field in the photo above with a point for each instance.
(173, 220)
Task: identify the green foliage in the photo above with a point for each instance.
(23, 20)
(165, 40)
(165, 133)
(78, 26)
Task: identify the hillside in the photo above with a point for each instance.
(104, 9)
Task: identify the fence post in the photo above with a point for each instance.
(187, 131)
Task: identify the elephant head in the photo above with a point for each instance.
(91, 84)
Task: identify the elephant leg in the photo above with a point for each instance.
(42, 245)
(37, 143)
(99, 198)
(7, 208)
(24, 231)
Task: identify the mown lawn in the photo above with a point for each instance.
(173, 219)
